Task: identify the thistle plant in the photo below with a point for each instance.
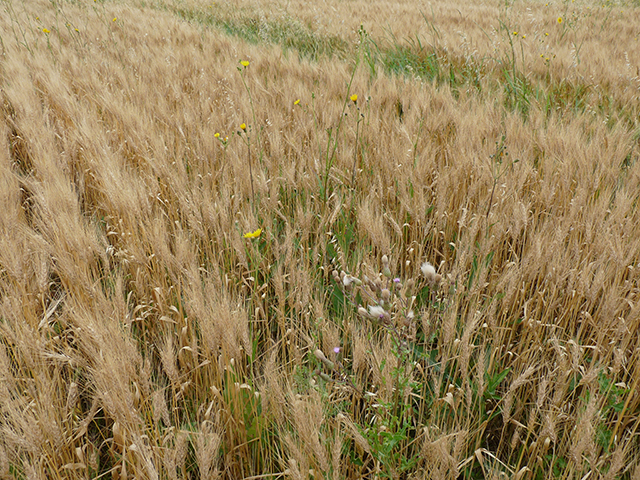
(390, 301)
(388, 305)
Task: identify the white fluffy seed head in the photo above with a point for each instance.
(376, 311)
(429, 272)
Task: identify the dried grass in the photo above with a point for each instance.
(142, 336)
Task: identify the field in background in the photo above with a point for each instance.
(216, 217)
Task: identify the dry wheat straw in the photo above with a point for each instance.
(142, 335)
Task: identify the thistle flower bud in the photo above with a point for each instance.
(409, 284)
(319, 354)
(363, 312)
(385, 294)
(385, 266)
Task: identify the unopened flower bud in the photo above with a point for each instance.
(320, 356)
(385, 294)
(385, 266)
(409, 284)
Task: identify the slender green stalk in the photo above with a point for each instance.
(331, 157)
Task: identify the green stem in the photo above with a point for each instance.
(330, 158)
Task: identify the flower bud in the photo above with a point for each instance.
(385, 266)
(336, 276)
(385, 294)
(319, 354)
(409, 284)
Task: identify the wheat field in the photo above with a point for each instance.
(338, 240)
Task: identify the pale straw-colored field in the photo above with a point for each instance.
(183, 182)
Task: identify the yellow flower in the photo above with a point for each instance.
(515, 33)
(46, 30)
(244, 63)
(354, 97)
(546, 34)
(255, 234)
(217, 135)
(115, 18)
(559, 19)
(524, 36)
(243, 126)
(296, 102)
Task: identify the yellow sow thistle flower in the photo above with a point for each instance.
(560, 20)
(354, 97)
(46, 30)
(244, 63)
(243, 126)
(217, 135)
(255, 234)
(296, 102)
